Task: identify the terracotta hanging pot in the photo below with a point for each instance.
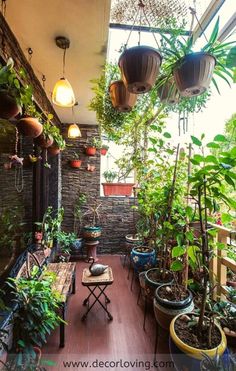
(139, 68)
(168, 92)
(122, 100)
(30, 127)
(8, 105)
(90, 151)
(54, 150)
(44, 142)
(75, 163)
(194, 74)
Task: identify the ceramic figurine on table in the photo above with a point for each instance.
(96, 269)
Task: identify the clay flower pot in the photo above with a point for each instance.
(168, 92)
(121, 99)
(75, 163)
(44, 142)
(117, 189)
(103, 151)
(30, 127)
(139, 68)
(54, 150)
(194, 74)
(90, 151)
(8, 105)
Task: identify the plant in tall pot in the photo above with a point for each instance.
(209, 176)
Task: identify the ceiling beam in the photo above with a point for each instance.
(207, 17)
(120, 26)
(228, 28)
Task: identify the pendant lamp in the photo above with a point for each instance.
(74, 130)
(63, 95)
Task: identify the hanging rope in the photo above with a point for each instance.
(19, 181)
(64, 62)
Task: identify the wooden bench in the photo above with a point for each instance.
(64, 283)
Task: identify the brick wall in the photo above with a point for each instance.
(116, 213)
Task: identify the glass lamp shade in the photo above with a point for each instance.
(63, 94)
(74, 131)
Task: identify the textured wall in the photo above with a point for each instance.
(116, 213)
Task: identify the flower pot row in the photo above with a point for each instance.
(91, 151)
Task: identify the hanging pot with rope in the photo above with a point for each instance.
(122, 100)
(139, 67)
(30, 126)
(193, 75)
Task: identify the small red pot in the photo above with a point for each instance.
(103, 151)
(54, 150)
(75, 163)
(90, 151)
(30, 127)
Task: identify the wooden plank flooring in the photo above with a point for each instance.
(98, 339)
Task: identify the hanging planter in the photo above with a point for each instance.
(193, 75)
(122, 100)
(8, 105)
(90, 151)
(54, 150)
(44, 141)
(30, 127)
(75, 163)
(168, 92)
(139, 68)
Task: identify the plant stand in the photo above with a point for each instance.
(91, 247)
(97, 282)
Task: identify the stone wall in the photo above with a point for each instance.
(116, 214)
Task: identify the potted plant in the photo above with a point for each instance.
(103, 150)
(35, 299)
(76, 162)
(122, 100)
(193, 71)
(207, 188)
(92, 231)
(45, 140)
(59, 143)
(143, 258)
(66, 241)
(92, 146)
(115, 189)
(80, 201)
(167, 91)
(139, 67)
(29, 125)
(13, 95)
(225, 313)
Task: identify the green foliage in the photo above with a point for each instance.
(36, 314)
(57, 137)
(78, 212)
(9, 82)
(10, 227)
(50, 225)
(65, 240)
(109, 175)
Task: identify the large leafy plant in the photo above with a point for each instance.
(209, 177)
(36, 314)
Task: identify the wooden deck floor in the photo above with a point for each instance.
(99, 340)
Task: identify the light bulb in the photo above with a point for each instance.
(63, 94)
(74, 131)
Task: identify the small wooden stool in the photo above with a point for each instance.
(97, 282)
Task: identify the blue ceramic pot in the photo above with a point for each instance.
(143, 260)
(77, 245)
(92, 233)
